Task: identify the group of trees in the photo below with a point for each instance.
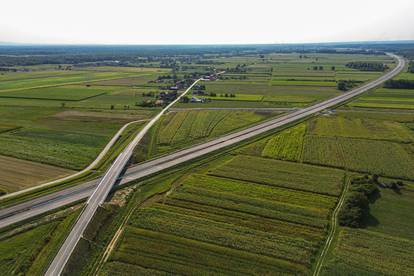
(399, 84)
(363, 192)
(356, 208)
(240, 68)
(316, 68)
(367, 66)
(345, 85)
(167, 77)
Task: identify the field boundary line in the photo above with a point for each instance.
(332, 229)
(62, 84)
(88, 168)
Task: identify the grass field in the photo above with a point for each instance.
(28, 251)
(385, 246)
(18, 174)
(61, 137)
(60, 93)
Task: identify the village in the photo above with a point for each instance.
(199, 95)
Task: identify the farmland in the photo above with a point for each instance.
(54, 122)
(18, 174)
(284, 80)
(387, 243)
(28, 249)
(389, 98)
(265, 223)
(262, 207)
(183, 128)
(373, 142)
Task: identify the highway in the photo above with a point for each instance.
(100, 193)
(99, 189)
(58, 199)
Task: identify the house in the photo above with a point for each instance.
(168, 96)
(197, 100)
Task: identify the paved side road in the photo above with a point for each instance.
(101, 192)
(49, 202)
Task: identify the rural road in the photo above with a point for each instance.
(61, 198)
(88, 168)
(101, 192)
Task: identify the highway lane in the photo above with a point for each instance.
(101, 192)
(49, 202)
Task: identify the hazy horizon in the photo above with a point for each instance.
(185, 22)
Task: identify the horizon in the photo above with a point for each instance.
(402, 41)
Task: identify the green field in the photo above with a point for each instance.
(183, 128)
(385, 247)
(60, 93)
(28, 251)
(58, 136)
(264, 223)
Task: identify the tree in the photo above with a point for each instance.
(333, 68)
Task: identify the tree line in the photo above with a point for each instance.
(367, 66)
(399, 84)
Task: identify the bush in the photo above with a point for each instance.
(345, 85)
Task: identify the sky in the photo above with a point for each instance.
(204, 22)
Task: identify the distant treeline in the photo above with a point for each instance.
(367, 66)
(399, 84)
(411, 67)
(166, 55)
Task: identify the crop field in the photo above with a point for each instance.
(265, 171)
(377, 143)
(286, 145)
(344, 125)
(61, 93)
(20, 84)
(372, 156)
(66, 138)
(184, 128)
(17, 174)
(387, 98)
(370, 142)
(385, 246)
(271, 222)
(28, 251)
(362, 252)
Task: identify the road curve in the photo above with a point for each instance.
(58, 199)
(88, 168)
